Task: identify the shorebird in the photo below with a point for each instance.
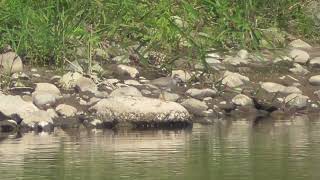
(166, 83)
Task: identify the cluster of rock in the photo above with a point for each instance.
(76, 99)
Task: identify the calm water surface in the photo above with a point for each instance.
(234, 150)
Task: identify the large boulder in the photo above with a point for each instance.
(26, 113)
(13, 106)
(139, 110)
(10, 62)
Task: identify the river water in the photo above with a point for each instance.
(235, 150)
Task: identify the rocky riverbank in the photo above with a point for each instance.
(240, 85)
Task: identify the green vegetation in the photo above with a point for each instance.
(50, 31)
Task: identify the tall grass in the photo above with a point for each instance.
(49, 31)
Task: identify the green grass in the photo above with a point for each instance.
(49, 31)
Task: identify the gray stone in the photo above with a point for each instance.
(126, 91)
(68, 80)
(169, 96)
(315, 62)
(291, 89)
(298, 43)
(47, 88)
(39, 120)
(195, 106)
(299, 56)
(45, 94)
(84, 84)
(15, 105)
(243, 54)
(235, 61)
(298, 69)
(132, 82)
(43, 99)
(10, 62)
(66, 110)
(296, 100)
(272, 87)
(315, 80)
(139, 109)
(124, 70)
(283, 59)
(234, 80)
(242, 100)
(279, 88)
(201, 93)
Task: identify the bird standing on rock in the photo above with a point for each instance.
(166, 83)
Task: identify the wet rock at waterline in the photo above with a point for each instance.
(15, 107)
(296, 100)
(10, 62)
(39, 120)
(27, 115)
(8, 125)
(137, 110)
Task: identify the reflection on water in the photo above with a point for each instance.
(288, 149)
